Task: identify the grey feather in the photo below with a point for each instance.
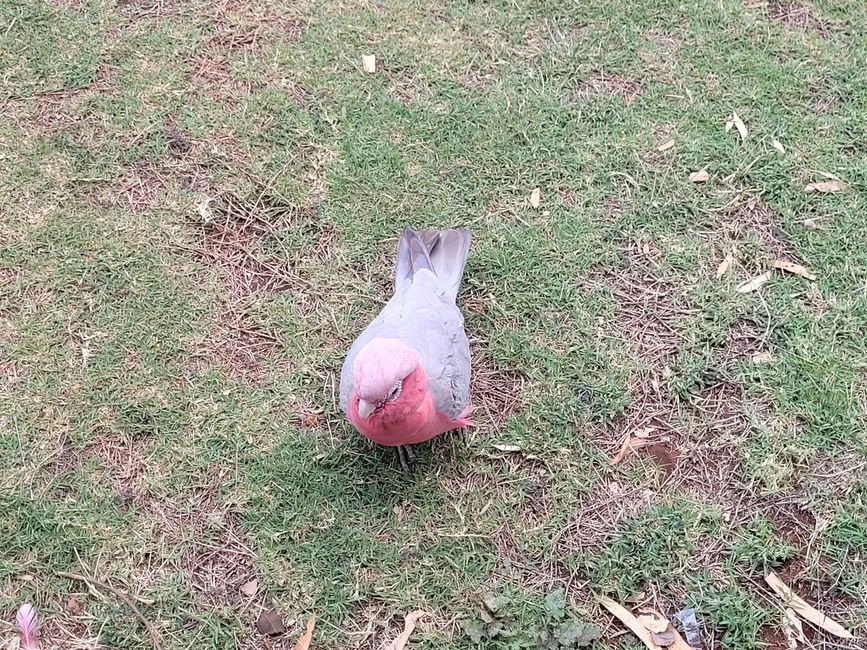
(423, 314)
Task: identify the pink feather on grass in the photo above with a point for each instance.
(27, 623)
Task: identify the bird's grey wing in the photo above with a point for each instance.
(434, 326)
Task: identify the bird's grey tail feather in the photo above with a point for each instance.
(442, 251)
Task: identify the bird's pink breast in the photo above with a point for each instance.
(421, 425)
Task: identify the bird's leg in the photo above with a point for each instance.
(407, 458)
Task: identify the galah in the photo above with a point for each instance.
(406, 378)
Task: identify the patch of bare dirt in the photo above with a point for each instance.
(495, 392)
(233, 234)
(219, 563)
(372, 626)
(252, 31)
(758, 217)
(210, 72)
(799, 16)
(246, 26)
(599, 513)
(477, 78)
(124, 458)
(791, 520)
(693, 440)
(240, 238)
(142, 9)
(610, 83)
(648, 308)
(241, 347)
(745, 339)
(774, 638)
(140, 189)
(665, 40)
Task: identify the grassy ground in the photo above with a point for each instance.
(199, 203)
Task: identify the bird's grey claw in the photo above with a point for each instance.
(407, 458)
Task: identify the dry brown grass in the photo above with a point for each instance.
(496, 393)
(609, 83)
(232, 236)
(758, 217)
(800, 17)
(237, 238)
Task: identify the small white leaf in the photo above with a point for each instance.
(204, 210)
(726, 264)
(510, 448)
(699, 177)
(536, 197)
(762, 357)
(368, 62)
(665, 146)
(738, 123)
(755, 283)
(778, 145)
(825, 186)
(249, 588)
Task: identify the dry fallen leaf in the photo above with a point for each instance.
(368, 62)
(652, 620)
(762, 357)
(536, 197)
(506, 447)
(304, 640)
(726, 264)
(813, 223)
(270, 623)
(646, 636)
(643, 432)
(755, 283)
(630, 442)
(249, 588)
(796, 629)
(825, 186)
(629, 621)
(665, 146)
(408, 627)
(738, 123)
(778, 145)
(699, 177)
(804, 610)
(791, 267)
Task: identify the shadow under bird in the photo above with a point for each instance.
(406, 378)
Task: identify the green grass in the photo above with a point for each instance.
(150, 444)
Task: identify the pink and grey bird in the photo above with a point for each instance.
(406, 378)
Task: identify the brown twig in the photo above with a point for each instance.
(92, 582)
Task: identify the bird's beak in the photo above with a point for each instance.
(365, 408)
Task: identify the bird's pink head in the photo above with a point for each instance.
(380, 372)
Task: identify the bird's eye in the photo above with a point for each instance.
(394, 392)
